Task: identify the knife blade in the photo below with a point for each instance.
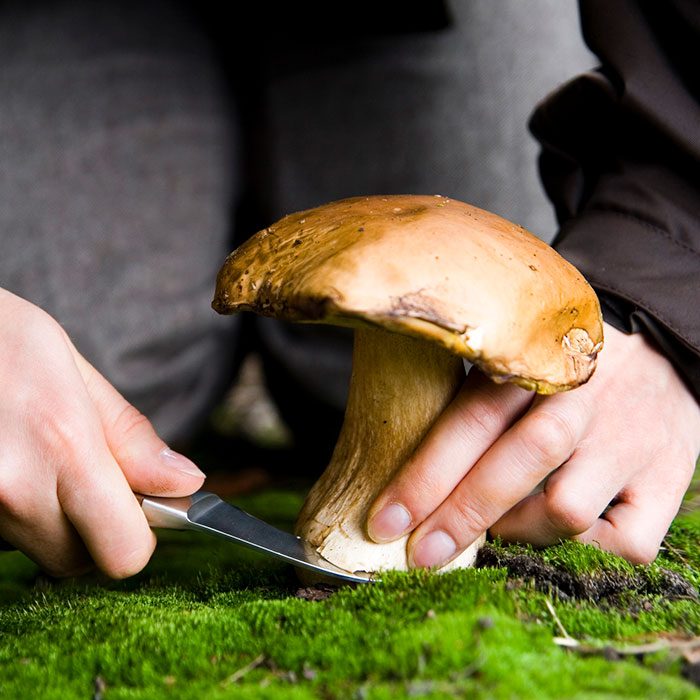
(206, 512)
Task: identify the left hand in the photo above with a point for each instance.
(629, 437)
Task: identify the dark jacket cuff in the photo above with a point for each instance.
(651, 286)
(621, 162)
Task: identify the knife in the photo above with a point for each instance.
(206, 512)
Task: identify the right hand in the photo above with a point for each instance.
(72, 452)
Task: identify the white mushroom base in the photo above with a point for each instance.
(399, 387)
(347, 546)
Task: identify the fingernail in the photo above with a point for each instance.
(180, 462)
(433, 550)
(389, 523)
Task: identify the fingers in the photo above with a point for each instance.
(57, 550)
(80, 473)
(97, 500)
(149, 465)
(96, 497)
(571, 501)
(524, 455)
(38, 527)
(636, 525)
(61, 486)
(472, 422)
(630, 434)
(65, 432)
(628, 531)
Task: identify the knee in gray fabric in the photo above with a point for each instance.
(115, 192)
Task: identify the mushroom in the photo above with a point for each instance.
(425, 281)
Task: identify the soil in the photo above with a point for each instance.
(604, 586)
(315, 593)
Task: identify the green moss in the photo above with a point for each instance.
(207, 619)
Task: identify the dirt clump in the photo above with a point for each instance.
(320, 591)
(602, 586)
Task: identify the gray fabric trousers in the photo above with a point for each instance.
(130, 135)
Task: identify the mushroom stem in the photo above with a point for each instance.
(399, 387)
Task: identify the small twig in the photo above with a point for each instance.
(99, 688)
(241, 672)
(561, 627)
(568, 642)
(684, 646)
(690, 506)
(666, 544)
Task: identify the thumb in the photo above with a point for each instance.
(149, 465)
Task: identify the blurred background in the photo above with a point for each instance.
(141, 141)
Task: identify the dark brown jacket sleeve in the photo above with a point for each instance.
(621, 162)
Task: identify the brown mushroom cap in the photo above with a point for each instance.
(432, 268)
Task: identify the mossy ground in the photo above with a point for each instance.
(207, 619)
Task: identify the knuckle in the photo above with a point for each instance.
(483, 420)
(38, 330)
(129, 421)
(13, 495)
(37, 323)
(64, 433)
(468, 516)
(420, 486)
(422, 490)
(567, 514)
(548, 437)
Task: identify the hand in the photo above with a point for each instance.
(72, 451)
(629, 437)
